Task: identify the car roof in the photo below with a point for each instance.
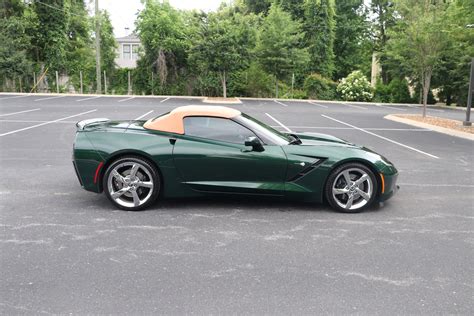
(172, 122)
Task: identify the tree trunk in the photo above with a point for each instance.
(276, 87)
(224, 84)
(426, 88)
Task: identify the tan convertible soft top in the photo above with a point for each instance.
(173, 121)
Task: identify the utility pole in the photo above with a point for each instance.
(97, 47)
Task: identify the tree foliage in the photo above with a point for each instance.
(222, 45)
(278, 44)
(250, 47)
(319, 27)
(419, 47)
(162, 32)
(352, 43)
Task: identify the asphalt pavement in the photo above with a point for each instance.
(64, 250)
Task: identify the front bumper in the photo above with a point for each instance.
(390, 187)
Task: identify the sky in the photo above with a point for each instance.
(123, 12)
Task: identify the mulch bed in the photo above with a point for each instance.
(438, 121)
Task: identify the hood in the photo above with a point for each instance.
(318, 139)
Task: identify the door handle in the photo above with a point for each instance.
(172, 141)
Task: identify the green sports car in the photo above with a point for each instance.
(214, 150)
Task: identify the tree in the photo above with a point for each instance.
(319, 25)
(420, 39)
(14, 42)
(383, 21)
(451, 75)
(294, 7)
(50, 39)
(78, 50)
(257, 6)
(352, 44)
(278, 44)
(108, 44)
(163, 35)
(222, 45)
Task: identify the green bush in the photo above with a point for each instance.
(396, 91)
(382, 92)
(355, 87)
(399, 92)
(319, 87)
(297, 94)
(251, 82)
(119, 81)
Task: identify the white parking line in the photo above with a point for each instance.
(45, 123)
(278, 122)
(8, 114)
(165, 99)
(355, 106)
(389, 107)
(441, 185)
(142, 116)
(280, 102)
(367, 128)
(56, 97)
(381, 137)
(321, 105)
(17, 96)
(33, 121)
(85, 99)
(126, 99)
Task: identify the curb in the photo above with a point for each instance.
(102, 95)
(434, 128)
(231, 101)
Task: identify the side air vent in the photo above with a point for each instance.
(307, 170)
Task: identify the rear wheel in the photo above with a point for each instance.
(351, 188)
(131, 183)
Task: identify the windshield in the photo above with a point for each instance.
(267, 133)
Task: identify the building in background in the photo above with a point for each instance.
(127, 54)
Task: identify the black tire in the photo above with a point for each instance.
(146, 173)
(369, 185)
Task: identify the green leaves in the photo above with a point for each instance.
(319, 25)
(278, 44)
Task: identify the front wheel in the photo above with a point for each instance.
(351, 188)
(131, 183)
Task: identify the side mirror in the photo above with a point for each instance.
(254, 142)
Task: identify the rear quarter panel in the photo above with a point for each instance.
(105, 146)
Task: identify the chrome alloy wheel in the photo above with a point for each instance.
(352, 188)
(130, 184)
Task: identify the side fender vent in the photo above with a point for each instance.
(307, 170)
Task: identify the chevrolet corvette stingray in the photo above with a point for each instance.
(215, 150)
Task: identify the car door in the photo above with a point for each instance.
(211, 156)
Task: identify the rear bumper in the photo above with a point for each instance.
(77, 174)
(87, 172)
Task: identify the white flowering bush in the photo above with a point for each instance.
(355, 87)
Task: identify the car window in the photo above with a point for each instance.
(216, 128)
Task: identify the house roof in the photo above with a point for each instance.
(130, 38)
(173, 121)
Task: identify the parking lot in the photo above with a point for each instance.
(65, 250)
